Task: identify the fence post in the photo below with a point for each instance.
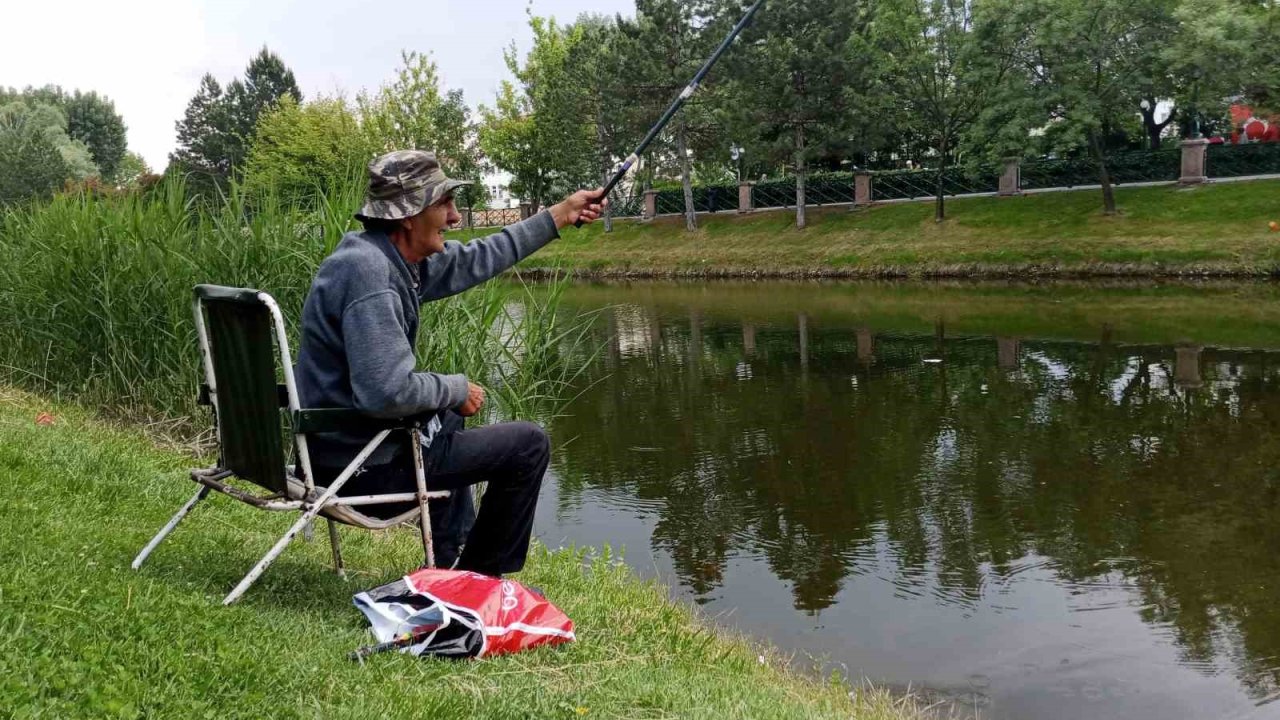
(1193, 165)
(650, 205)
(746, 196)
(862, 188)
(1011, 178)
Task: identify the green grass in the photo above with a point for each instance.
(1218, 228)
(84, 636)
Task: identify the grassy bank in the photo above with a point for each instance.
(84, 636)
(1215, 229)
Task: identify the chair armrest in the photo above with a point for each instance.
(313, 420)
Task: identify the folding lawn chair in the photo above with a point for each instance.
(240, 385)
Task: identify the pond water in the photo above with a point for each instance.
(1056, 501)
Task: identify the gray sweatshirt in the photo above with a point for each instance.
(360, 327)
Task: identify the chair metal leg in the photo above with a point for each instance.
(271, 555)
(309, 532)
(424, 517)
(168, 528)
(337, 550)
(307, 516)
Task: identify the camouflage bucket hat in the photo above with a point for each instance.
(404, 183)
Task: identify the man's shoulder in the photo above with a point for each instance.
(357, 257)
(356, 268)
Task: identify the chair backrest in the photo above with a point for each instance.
(236, 326)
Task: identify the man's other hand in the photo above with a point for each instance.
(584, 205)
(474, 401)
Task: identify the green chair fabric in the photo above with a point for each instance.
(240, 332)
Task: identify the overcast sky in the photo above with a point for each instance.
(148, 55)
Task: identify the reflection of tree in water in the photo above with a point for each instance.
(1136, 463)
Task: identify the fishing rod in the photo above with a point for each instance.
(400, 641)
(684, 95)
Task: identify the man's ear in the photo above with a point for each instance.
(406, 224)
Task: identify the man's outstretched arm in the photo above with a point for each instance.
(465, 265)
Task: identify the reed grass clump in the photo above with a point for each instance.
(95, 298)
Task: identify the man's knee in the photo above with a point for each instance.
(533, 441)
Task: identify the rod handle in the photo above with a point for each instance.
(599, 198)
(395, 643)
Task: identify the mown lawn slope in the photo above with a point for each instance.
(83, 635)
(1217, 228)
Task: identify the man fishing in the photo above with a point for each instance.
(359, 330)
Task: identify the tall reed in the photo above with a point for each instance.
(95, 298)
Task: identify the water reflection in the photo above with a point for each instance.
(949, 468)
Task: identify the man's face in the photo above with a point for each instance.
(426, 229)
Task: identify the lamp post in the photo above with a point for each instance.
(736, 152)
(1194, 111)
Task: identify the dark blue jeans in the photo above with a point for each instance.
(511, 456)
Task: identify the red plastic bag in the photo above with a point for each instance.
(454, 613)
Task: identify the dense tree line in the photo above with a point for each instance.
(260, 133)
(827, 84)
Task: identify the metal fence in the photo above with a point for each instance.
(778, 193)
(627, 205)
(911, 184)
(495, 217)
(826, 188)
(829, 188)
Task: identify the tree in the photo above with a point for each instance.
(300, 148)
(601, 62)
(1262, 82)
(216, 131)
(1082, 61)
(796, 82)
(266, 81)
(535, 131)
(666, 48)
(945, 67)
(204, 133)
(93, 120)
(33, 164)
(414, 112)
(1223, 52)
(88, 117)
(132, 172)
